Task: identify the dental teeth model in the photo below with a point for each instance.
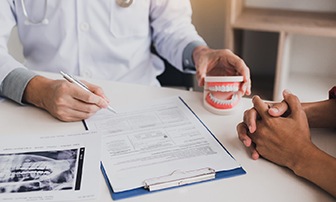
(221, 93)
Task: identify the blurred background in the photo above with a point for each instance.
(314, 56)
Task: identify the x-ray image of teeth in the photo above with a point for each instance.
(38, 171)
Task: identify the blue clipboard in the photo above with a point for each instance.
(143, 190)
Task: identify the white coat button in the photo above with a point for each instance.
(186, 62)
(84, 27)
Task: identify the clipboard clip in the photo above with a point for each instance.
(179, 178)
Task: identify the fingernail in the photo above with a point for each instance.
(275, 110)
(254, 97)
(250, 129)
(286, 92)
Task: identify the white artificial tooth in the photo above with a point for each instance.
(219, 101)
(227, 88)
(234, 97)
(211, 97)
(33, 174)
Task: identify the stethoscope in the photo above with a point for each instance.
(45, 21)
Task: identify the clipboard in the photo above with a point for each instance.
(176, 178)
(172, 181)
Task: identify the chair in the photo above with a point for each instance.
(172, 77)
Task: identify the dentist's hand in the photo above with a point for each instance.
(221, 63)
(64, 100)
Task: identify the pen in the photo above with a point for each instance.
(72, 79)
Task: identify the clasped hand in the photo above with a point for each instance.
(276, 131)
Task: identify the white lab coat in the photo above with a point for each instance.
(97, 38)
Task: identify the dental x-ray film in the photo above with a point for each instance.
(57, 167)
(40, 171)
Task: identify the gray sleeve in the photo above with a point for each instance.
(188, 61)
(15, 83)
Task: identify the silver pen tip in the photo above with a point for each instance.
(111, 109)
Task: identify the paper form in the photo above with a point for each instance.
(49, 167)
(156, 140)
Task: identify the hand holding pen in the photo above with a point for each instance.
(75, 81)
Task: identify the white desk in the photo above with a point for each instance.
(264, 181)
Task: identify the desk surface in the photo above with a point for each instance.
(264, 180)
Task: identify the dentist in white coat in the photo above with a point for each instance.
(105, 39)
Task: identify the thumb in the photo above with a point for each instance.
(293, 103)
(278, 109)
